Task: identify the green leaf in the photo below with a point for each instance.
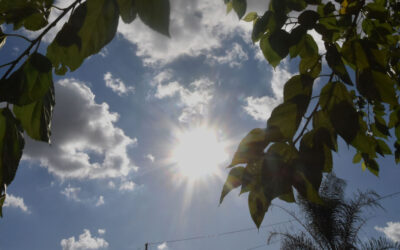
(127, 10)
(332, 93)
(36, 117)
(377, 86)
(289, 197)
(2, 199)
(155, 14)
(311, 66)
(279, 42)
(36, 21)
(306, 189)
(344, 119)
(283, 123)
(296, 5)
(233, 181)
(371, 165)
(29, 83)
(261, 25)
(250, 17)
(297, 87)
(11, 146)
(92, 26)
(383, 148)
(354, 54)
(258, 206)
(240, 7)
(334, 60)
(251, 147)
(272, 57)
(308, 19)
(357, 157)
(275, 46)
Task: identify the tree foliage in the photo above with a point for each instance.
(334, 224)
(91, 25)
(358, 100)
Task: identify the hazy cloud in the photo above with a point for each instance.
(16, 202)
(127, 186)
(117, 85)
(234, 57)
(260, 108)
(85, 141)
(84, 242)
(392, 230)
(71, 193)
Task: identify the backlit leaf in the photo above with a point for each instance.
(234, 180)
(127, 10)
(240, 7)
(258, 206)
(155, 14)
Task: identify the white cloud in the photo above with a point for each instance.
(392, 231)
(260, 108)
(234, 57)
(101, 231)
(150, 157)
(117, 85)
(162, 246)
(127, 186)
(100, 201)
(16, 202)
(71, 193)
(86, 144)
(85, 242)
(196, 28)
(168, 90)
(193, 99)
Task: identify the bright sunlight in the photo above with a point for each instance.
(198, 152)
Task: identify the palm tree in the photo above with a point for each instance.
(335, 224)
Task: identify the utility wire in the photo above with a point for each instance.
(219, 234)
(248, 229)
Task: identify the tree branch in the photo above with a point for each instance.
(38, 39)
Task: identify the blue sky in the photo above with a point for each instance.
(108, 180)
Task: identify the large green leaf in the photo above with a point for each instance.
(334, 60)
(36, 117)
(272, 57)
(11, 146)
(377, 86)
(127, 10)
(233, 181)
(283, 123)
(32, 15)
(258, 206)
(308, 19)
(155, 14)
(240, 7)
(29, 83)
(251, 147)
(261, 25)
(92, 26)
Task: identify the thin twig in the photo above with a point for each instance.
(20, 36)
(39, 38)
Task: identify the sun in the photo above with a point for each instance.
(198, 152)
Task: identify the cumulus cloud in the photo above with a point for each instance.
(162, 246)
(127, 186)
(150, 157)
(100, 201)
(71, 193)
(260, 108)
(16, 202)
(101, 231)
(196, 28)
(193, 99)
(117, 85)
(84, 242)
(234, 57)
(86, 143)
(392, 231)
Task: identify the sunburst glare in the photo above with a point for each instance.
(198, 152)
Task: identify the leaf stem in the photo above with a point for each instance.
(38, 39)
(20, 36)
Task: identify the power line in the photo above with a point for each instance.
(219, 234)
(247, 229)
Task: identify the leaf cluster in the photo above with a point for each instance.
(29, 89)
(358, 102)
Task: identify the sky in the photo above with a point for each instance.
(113, 177)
